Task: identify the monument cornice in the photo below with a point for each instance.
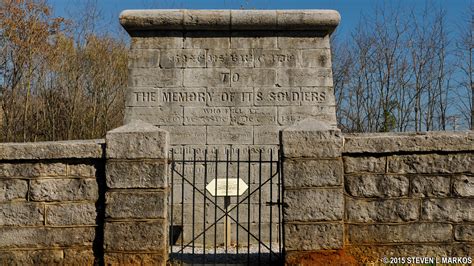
(223, 20)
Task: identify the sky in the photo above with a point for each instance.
(350, 10)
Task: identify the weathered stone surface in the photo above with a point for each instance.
(277, 58)
(64, 190)
(51, 150)
(144, 259)
(229, 135)
(207, 116)
(303, 40)
(26, 170)
(464, 186)
(21, 213)
(30, 237)
(430, 186)
(155, 77)
(13, 189)
(266, 134)
(452, 210)
(248, 77)
(230, 96)
(375, 253)
(230, 58)
(313, 236)
(157, 39)
(323, 20)
(136, 236)
(304, 77)
(71, 214)
(380, 186)
(289, 115)
(464, 232)
(252, 39)
(431, 163)
(362, 211)
(137, 140)
(143, 58)
(32, 257)
(414, 142)
(205, 40)
(81, 170)
(313, 205)
(186, 135)
(384, 233)
(317, 58)
(142, 97)
(79, 257)
(313, 173)
(164, 115)
(253, 116)
(145, 174)
(136, 204)
(177, 58)
(364, 164)
(300, 139)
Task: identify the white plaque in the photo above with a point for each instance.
(226, 187)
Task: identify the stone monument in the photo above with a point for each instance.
(229, 79)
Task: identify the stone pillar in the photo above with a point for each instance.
(313, 193)
(136, 225)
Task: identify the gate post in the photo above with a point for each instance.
(313, 193)
(136, 224)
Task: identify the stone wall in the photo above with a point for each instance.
(377, 195)
(51, 203)
(409, 195)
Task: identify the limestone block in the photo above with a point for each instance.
(146, 174)
(230, 58)
(312, 237)
(141, 205)
(40, 237)
(301, 19)
(229, 135)
(21, 213)
(207, 40)
(364, 164)
(266, 134)
(403, 233)
(248, 116)
(71, 214)
(51, 150)
(64, 190)
(136, 236)
(178, 58)
(137, 140)
(316, 58)
(247, 19)
(277, 58)
(143, 58)
(81, 170)
(430, 186)
(79, 257)
(379, 186)
(13, 189)
(22, 170)
(311, 144)
(248, 77)
(157, 39)
(303, 40)
(463, 186)
(252, 39)
(207, 116)
(144, 259)
(210, 77)
(144, 97)
(270, 96)
(231, 97)
(155, 77)
(207, 19)
(289, 115)
(186, 135)
(313, 173)
(464, 232)
(294, 77)
(431, 163)
(162, 116)
(387, 211)
(313, 204)
(452, 210)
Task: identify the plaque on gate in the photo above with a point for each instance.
(221, 187)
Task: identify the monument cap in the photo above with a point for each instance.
(185, 19)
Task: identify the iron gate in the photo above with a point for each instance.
(225, 208)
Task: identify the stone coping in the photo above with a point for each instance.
(409, 142)
(184, 19)
(52, 150)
